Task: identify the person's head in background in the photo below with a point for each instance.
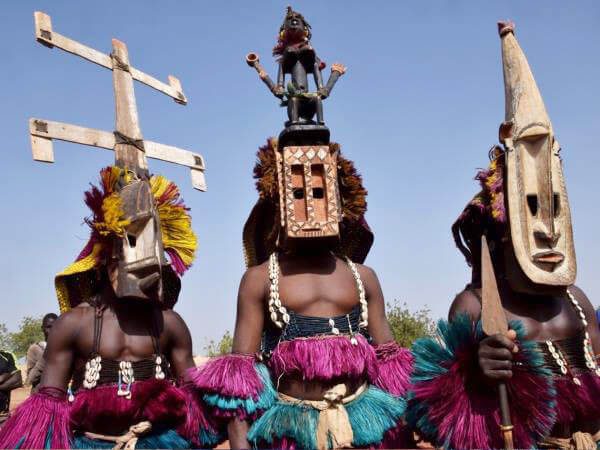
(47, 323)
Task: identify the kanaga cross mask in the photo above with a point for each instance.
(538, 207)
(308, 192)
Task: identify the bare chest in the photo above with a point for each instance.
(319, 294)
(553, 321)
(119, 339)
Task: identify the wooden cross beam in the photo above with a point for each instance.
(131, 150)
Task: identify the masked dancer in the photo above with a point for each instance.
(548, 360)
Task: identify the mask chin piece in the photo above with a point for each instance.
(149, 282)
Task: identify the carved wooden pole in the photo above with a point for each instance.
(129, 149)
(127, 141)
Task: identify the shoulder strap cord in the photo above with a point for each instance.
(276, 308)
(362, 298)
(278, 312)
(98, 317)
(155, 331)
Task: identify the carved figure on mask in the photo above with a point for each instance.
(548, 359)
(297, 58)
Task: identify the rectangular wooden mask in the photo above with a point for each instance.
(139, 253)
(308, 192)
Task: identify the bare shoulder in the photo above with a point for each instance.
(465, 302)
(253, 284)
(256, 273)
(75, 318)
(69, 324)
(175, 328)
(172, 318)
(584, 302)
(367, 273)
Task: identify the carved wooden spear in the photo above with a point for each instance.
(494, 321)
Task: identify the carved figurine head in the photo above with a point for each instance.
(135, 224)
(309, 198)
(294, 30)
(538, 208)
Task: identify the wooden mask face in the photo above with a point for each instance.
(138, 257)
(538, 206)
(308, 192)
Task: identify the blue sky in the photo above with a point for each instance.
(417, 111)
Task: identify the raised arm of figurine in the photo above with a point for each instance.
(42, 421)
(280, 89)
(246, 340)
(253, 61)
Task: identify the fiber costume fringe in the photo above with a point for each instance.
(453, 407)
(394, 365)
(374, 416)
(78, 282)
(164, 439)
(198, 428)
(577, 402)
(234, 385)
(371, 415)
(42, 421)
(325, 358)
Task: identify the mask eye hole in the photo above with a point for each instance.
(556, 200)
(318, 192)
(298, 193)
(532, 202)
(131, 240)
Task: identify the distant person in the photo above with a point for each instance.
(10, 378)
(35, 353)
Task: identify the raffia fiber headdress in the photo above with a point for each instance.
(80, 281)
(485, 213)
(262, 228)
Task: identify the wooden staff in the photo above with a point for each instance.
(494, 322)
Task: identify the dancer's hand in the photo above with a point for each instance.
(237, 431)
(496, 355)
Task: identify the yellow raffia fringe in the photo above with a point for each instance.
(175, 222)
(78, 267)
(112, 207)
